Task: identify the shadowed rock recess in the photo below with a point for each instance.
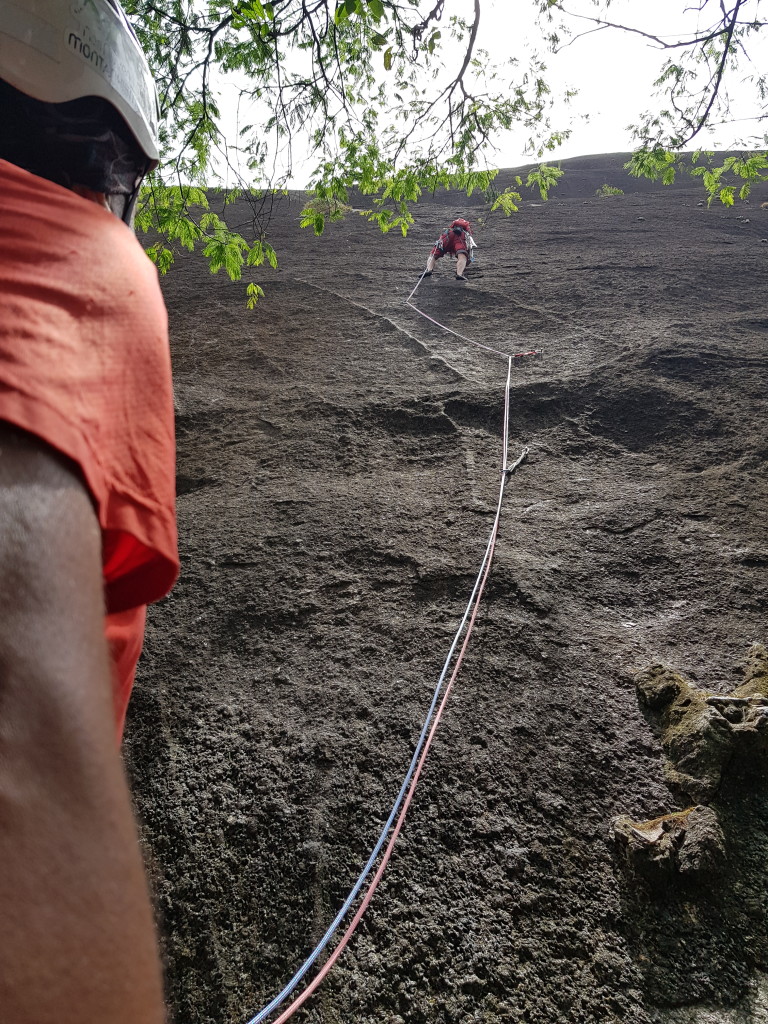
(589, 840)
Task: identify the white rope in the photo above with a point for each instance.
(424, 739)
(469, 341)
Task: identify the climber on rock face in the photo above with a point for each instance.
(457, 241)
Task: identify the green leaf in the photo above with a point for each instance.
(507, 201)
(545, 178)
(256, 254)
(311, 217)
(161, 256)
(727, 195)
(254, 292)
(388, 59)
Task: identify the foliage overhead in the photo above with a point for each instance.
(694, 87)
(391, 98)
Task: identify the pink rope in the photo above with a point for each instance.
(456, 334)
(373, 885)
(469, 341)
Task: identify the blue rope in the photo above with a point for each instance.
(333, 927)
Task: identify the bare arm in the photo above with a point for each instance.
(77, 941)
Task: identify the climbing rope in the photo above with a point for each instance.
(333, 927)
(535, 352)
(429, 728)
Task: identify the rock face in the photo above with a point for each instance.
(688, 843)
(338, 469)
(702, 733)
(715, 750)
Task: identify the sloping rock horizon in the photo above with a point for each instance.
(338, 467)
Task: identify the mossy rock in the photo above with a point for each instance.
(704, 734)
(687, 843)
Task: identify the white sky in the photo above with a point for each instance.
(612, 70)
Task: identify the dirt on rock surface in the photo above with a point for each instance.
(338, 468)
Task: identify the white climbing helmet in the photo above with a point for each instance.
(60, 50)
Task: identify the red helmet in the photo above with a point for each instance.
(461, 223)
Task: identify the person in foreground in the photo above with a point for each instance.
(87, 522)
(456, 240)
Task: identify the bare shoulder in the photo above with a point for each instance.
(36, 481)
(50, 541)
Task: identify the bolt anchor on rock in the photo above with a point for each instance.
(507, 473)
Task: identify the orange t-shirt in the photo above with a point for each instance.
(85, 366)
